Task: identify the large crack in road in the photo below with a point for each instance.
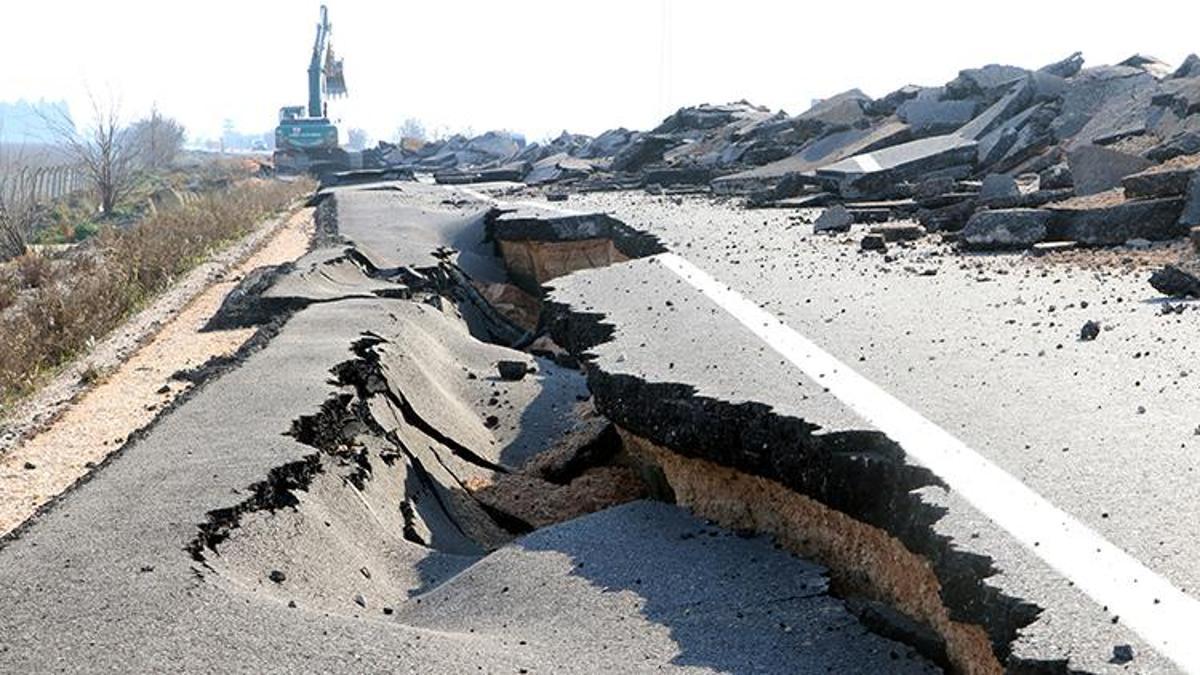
(475, 435)
(348, 495)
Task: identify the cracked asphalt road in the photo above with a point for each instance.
(986, 346)
(106, 579)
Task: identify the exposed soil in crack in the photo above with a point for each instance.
(859, 476)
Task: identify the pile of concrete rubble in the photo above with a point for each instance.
(1004, 156)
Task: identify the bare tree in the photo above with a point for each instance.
(357, 139)
(411, 130)
(104, 150)
(156, 139)
(18, 206)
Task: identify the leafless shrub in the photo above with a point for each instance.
(18, 207)
(32, 269)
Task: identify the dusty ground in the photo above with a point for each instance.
(85, 431)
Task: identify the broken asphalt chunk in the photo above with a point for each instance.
(1167, 180)
(1179, 280)
(1089, 332)
(1005, 229)
(873, 242)
(512, 370)
(1096, 169)
(1108, 219)
(834, 219)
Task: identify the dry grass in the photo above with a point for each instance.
(50, 311)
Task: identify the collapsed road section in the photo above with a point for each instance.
(380, 481)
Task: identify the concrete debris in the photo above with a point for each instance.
(1088, 129)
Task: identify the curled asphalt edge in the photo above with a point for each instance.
(846, 471)
(861, 473)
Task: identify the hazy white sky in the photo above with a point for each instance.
(541, 66)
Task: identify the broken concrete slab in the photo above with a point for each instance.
(815, 154)
(557, 167)
(1189, 68)
(1190, 217)
(893, 232)
(1004, 229)
(675, 176)
(1068, 67)
(998, 186)
(1181, 96)
(1095, 169)
(1152, 65)
(877, 173)
(950, 217)
(1104, 103)
(607, 144)
(1016, 138)
(838, 112)
(643, 150)
(986, 83)
(1108, 219)
(1018, 97)
(1166, 180)
(883, 107)
(928, 114)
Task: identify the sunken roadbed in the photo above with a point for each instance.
(405, 472)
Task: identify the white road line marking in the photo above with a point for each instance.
(1160, 613)
(476, 194)
(545, 206)
(868, 163)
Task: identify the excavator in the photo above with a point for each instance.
(305, 140)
